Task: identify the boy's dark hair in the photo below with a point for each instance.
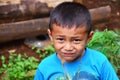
(70, 14)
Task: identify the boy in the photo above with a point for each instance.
(70, 30)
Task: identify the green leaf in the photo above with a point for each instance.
(38, 51)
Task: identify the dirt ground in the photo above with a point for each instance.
(114, 23)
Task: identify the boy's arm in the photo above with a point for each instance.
(107, 72)
(38, 75)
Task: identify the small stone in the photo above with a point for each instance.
(12, 51)
(113, 0)
(118, 14)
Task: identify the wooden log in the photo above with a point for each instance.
(23, 29)
(54, 3)
(79, 1)
(100, 14)
(6, 2)
(27, 9)
(15, 11)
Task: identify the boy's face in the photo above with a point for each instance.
(69, 43)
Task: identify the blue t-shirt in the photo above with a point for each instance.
(92, 66)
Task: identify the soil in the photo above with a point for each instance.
(18, 46)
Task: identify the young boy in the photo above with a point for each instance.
(70, 30)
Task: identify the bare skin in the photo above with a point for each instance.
(69, 43)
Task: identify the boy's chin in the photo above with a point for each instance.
(69, 59)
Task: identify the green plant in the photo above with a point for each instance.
(46, 51)
(19, 67)
(107, 42)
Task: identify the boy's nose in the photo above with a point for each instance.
(68, 47)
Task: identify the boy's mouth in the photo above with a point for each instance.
(68, 54)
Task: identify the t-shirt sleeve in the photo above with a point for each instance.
(38, 75)
(108, 72)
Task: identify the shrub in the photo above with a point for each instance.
(19, 67)
(107, 42)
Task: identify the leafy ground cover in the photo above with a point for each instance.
(22, 67)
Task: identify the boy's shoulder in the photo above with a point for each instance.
(52, 59)
(95, 54)
(49, 58)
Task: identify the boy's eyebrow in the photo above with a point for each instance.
(64, 36)
(76, 37)
(60, 35)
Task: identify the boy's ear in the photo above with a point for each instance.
(50, 34)
(90, 35)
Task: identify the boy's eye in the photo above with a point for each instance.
(76, 40)
(60, 39)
